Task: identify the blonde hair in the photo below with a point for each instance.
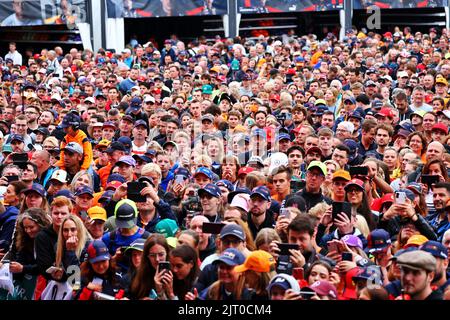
(319, 209)
(52, 140)
(82, 234)
(266, 236)
(78, 176)
(151, 167)
(361, 225)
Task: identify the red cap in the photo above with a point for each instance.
(378, 203)
(275, 97)
(113, 185)
(388, 35)
(386, 112)
(440, 126)
(36, 56)
(245, 170)
(355, 182)
(314, 149)
(291, 71)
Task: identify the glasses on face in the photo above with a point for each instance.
(314, 174)
(354, 190)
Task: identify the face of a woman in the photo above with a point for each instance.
(226, 273)
(136, 258)
(355, 195)
(331, 168)
(11, 196)
(82, 181)
(156, 254)
(416, 144)
(30, 227)
(69, 229)
(318, 272)
(100, 267)
(180, 269)
(435, 169)
(33, 200)
(407, 232)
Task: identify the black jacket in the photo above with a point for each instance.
(45, 248)
(312, 199)
(393, 226)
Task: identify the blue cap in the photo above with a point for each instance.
(260, 133)
(36, 187)
(369, 273)
(231, 257)
(97, 251)
(261, 191)
(70, 119)
(142, 157)
(377, 104)
(225, 183)
(237, 191)
(283, 136)
(128, 160)
(141, 123)
(136, 103)
(126, 141)
(65, 193)
(279, 281)
(183, 172)
(378, 240)
(355, 114)
(116, 146)
(407, 126)
(16, 137)
(116, 177)
(437, 249)
(411, 196)
(232, 229)
(353, 146)
(106, 196)
(205, 171)
(210, 189)
(414, 187)
(84, 190)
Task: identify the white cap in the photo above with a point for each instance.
(241, 201)
(42, 70)
(135, 88)
(59, 175)
(56, 97)
(149, 98)
(126, 50)
(387, 77)
(90, 99)
(348, 126)
(278, 159)
(277, 43)
(402, 74)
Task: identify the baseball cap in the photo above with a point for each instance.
(106, 196)
(65, 193)
(97, 213)
(232, 229)
(355, 114)
(385, 112)
(137, 245)
(341, 174)
(17, 137)
(183, 172)
(238, 190)
(37, 188)
(284, 281)
(210, 189)
(441, 80)
(84, 190)
(70, 119)
(126, 141)
(205, 171)
(208, 117)
(414, 187)
(259, 261)
(60, 175)
(314, 149)
(125, 213)
(73, 147)
(318, 164)
(128, 160)
(324, 288)
(90, 100)
(446, 113)
(113, 185)
(278, 159)
(231, 257)
(141, 123)
(245, 170)
(261, 191)
(116, 177)
(97, 251)
(378, 240)
(352, 241)
(416, 241)
(440, 127)
(207, 89)
(241, 201)
(104, 143)
(351, 99)
(355, 182)
(225, 183)
(419, 113)
(283, 136)
(320, 102)
(167, 227)
(368, 273)
(257, 160)
(437, 249)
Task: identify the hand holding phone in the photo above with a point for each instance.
(212, 227)
(164, 266)
(400, 197)
(134, 191)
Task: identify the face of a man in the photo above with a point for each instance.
(440, 198)
(258, 205)
(340, 156)
(434, 150)
(295, 159)
(382, 138)
(303, 239)
(281, 182)
(415, 281)
(314, 179)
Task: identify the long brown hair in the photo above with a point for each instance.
(426, 168)
(188, 255)
(144, 281)
(37, 215)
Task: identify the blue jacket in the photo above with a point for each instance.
(7, 224)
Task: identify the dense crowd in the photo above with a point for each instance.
(286, 168)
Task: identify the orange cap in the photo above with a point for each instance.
(416, 241)
(259, 261)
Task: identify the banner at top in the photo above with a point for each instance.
(164, 8)
(40, 12)
(399, 4)
(273, 6)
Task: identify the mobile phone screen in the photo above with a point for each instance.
(134, 191)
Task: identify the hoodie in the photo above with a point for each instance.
(7, 224)
(82, 139)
